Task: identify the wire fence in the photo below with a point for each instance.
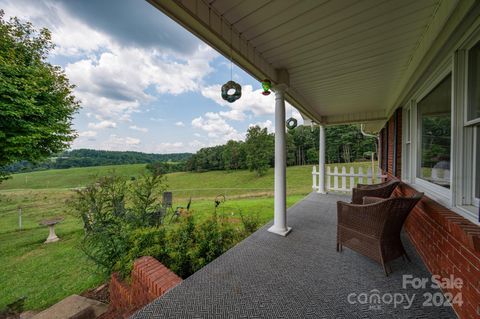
(26, 211)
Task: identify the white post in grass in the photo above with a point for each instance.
(321, 161)
(20, 218)
(280, 199)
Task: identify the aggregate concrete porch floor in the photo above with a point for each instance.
(298, 276)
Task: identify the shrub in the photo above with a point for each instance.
(181, 242)
(214, 237)
(111, 209)
(146, 193)
(124, 221)
(148, 241)
(250, 223)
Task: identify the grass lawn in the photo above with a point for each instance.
(46, 274)
(182, 184)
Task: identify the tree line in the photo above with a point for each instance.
(344, 144)
(88, 158)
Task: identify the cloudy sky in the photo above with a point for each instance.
(144, 82)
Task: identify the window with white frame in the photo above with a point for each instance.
(476, 186)
(434, 127)
(472, 124)
(407, 149)
(473, 109)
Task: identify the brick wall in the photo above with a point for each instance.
(391, 134)
(448, 243)
(150, 280)
(394, 128)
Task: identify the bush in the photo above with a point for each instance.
(180, 246)
(250, 223)
(111, 210)
(124, 221)
(149, 241)
(214, 237)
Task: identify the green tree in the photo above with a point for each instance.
(234, 155)
(259, 147)
(36, 100)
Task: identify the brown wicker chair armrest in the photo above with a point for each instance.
(373, 186)
(372, 200)
(393, 181)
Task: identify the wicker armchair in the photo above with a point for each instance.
(374, 229)
(382, 190)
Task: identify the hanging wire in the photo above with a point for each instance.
(231, 53)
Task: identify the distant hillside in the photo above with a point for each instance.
(88, 158)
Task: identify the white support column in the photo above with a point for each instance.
(321, 161)
(280, 201)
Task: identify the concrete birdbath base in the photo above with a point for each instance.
(52, 237)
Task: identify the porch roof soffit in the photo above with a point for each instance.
(348, 61)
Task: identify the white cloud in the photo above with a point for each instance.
(112, 143)
(117, 143)
(140, 129)
(180, 123)
(251, 101)
(233, 114)
(196, 144)
(70, 35)
(112, 77)
(168, 147)
(132, 141)
(87, 134)
(102, 125)
(267, 124)
(217, 128)
(115, 83)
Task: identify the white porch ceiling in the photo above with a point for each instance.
(348, 60)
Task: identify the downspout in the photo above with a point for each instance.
(367, 134)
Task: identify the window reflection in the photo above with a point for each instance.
(435, 120)
(473, 80)
(477, 169)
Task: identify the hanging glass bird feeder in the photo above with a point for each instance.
(266, 86)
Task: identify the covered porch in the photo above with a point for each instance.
(299, 276)
(374, 63)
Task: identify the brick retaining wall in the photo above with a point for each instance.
(150, 280)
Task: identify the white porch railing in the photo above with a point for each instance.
(341, 181)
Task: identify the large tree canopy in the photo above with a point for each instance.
(260, 148)
(36, 100)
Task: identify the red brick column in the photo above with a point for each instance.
(150, 280)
